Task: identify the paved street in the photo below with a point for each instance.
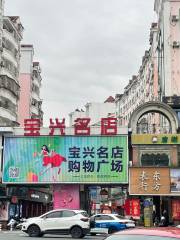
(17, 235)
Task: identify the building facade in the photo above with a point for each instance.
(11, 31)
(30, 103)
(158, 76)
(154, 173)
(95, 111)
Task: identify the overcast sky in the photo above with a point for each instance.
(87, 49)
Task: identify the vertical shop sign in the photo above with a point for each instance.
(135, 205)
(176, 209)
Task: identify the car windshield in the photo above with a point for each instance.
(138, 237)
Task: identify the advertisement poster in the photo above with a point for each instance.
(175, 180)
(3, 210)
(65, 159)
(176, 209)
(66, 197)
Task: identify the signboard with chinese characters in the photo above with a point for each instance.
(149, 181)
(65, 159)
(132, 208)
(175, 180)
(81, 127)
(155, 139)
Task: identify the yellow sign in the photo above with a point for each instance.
(156, 139)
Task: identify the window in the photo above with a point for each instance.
(103, 217)
(54, 215)
(67, 213)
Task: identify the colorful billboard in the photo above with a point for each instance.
(65, 159)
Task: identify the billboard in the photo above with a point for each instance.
(65, 159)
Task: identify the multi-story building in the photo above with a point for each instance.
(169, 51)
(158, 76)
(95, 111)
(10, 36)
(142, 87)
(30, 102)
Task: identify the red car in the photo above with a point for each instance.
(167, 233)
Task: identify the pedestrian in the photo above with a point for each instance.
(164, 219)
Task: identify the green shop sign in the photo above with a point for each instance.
(66, 159)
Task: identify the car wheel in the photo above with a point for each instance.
(34, 231)
(111, 230)
(76, 232)
(83, 235)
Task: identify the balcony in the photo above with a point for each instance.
(11, 38)
(10, 56)
(10, 85)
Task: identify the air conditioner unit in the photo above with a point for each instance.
(176, 44)
(174, 18)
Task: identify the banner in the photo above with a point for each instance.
(65, 159)
(132, 208)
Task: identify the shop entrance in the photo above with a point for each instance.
(106, 199)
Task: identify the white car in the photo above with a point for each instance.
(109, 223)
(59, 221)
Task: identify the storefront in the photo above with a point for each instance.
(157, 189)
(27, 201)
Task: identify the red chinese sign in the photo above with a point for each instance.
(81, 126)
(132, 208)
(176, 209)
(32, 127)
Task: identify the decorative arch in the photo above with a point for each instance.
(157, 107)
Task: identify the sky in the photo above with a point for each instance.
(87, 49)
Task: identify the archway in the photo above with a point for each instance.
(154, 107)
